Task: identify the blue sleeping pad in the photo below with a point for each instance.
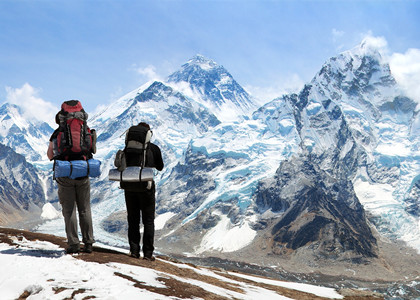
(77, 168)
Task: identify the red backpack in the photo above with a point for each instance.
(75, 140)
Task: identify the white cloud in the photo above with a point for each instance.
(281, 86)
(32, 105)
(370, 42)
(147, 73)
(405, 67)
(378, 42)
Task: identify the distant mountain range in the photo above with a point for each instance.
(316, 173)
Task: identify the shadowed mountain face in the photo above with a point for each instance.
(316, 212)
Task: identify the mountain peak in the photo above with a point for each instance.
(370, 47)
(8, 108)
(358, 72)
(197, 66)
(202, 62)
(211, 85)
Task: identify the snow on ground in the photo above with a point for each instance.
(44, 271)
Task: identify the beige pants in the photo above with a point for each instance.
(75, 194)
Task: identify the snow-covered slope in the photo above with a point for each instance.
(38, 268)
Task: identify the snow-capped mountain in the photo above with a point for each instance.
(214, 87)
(26, 136)
(381, 120)
(22, 193)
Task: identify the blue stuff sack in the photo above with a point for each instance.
(77, 168)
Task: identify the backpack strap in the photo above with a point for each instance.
(88, 167)
(71, 168)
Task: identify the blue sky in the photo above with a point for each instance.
(99, 50)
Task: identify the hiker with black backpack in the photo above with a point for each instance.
(72, 145)
(135, 172)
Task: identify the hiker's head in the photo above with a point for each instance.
(144, 125)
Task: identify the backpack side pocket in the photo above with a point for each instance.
(120, 161)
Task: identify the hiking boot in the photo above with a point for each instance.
(134, 250)
(135, 255)
(149, 258)
(88, 248)
(73, 249)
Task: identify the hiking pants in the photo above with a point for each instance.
(144, 203)
(75, 193)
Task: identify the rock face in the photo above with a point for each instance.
(21, 191)
(316, 211)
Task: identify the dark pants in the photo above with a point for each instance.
(144, 203)
(74, 195)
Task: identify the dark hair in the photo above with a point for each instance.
(144, 125)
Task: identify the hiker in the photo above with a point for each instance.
(72, 141)
(140, 196)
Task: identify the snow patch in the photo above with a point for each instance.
(227, 237)
(161, 220)
(49, 212)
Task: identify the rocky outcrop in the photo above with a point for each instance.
(315, 211)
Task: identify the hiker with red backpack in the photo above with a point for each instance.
(72, 146)
(135, 172)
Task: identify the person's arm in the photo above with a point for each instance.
(157, 156)
(50, 152)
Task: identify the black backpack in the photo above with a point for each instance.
(137, 141)
(135, 154)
